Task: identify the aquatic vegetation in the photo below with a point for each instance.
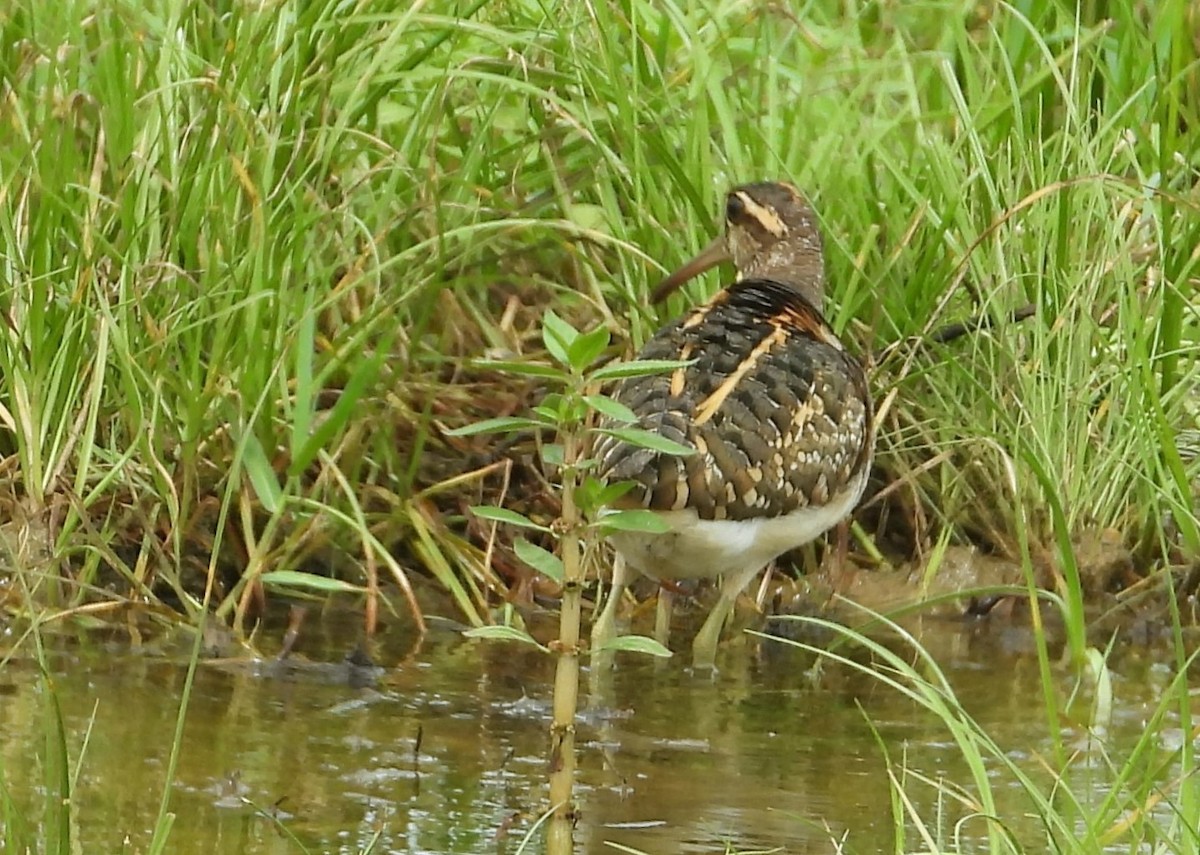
(1081, 797)
(254, 258)
(566, 415)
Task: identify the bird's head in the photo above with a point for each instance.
(770, 233)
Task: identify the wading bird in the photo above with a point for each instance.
(777, 412)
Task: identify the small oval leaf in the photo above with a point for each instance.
(614, 409)
(649, 439)
(635, 644)
(546, 563)
(504, 515)
(506, 424)
(639, 520)
(638, 368)
(587, 348)
(552, 453)
(558, 336)
(527, 369)
(505, 633)
(609, 493)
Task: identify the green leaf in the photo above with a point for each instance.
(505, 424)
(553, 453)
(587, 348)
(546, 563)
(296, 579)
(594, 493)
(610, 407)
(262, 476)
(527, 369)
(561, 409)
(649, 439)
(638, 368)
(609, 493)
(558, 336)
(56, 773)
(574, 412)
(635, 644)
(345, 408)
(632, 520)
(591, 217)
(306, 392)
(504, 515)
(505, 633)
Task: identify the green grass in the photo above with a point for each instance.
(249, 247)
(247, 250)
(1082, 798)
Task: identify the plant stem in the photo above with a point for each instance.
(566, 675)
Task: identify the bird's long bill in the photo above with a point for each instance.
(709, 257)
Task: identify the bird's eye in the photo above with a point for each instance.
(734, 206)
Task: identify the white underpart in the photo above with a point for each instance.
(703, 549)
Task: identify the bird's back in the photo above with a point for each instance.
(778, 413)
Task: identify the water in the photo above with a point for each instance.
(445, 751)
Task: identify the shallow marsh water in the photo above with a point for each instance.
(445, 751)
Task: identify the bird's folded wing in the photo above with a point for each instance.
(776, 410)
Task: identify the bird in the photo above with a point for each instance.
(776, 412)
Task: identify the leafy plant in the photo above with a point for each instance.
(568, 413)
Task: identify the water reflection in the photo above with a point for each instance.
(445, 751)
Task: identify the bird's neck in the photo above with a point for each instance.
(806, 282)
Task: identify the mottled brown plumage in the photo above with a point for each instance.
(778, 413)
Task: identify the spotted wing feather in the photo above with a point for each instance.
(777, 411)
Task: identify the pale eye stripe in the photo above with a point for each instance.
(766, 217)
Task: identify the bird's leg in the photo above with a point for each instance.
(704, 647)
(841, 573)
(605, 627)
(662, 614)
